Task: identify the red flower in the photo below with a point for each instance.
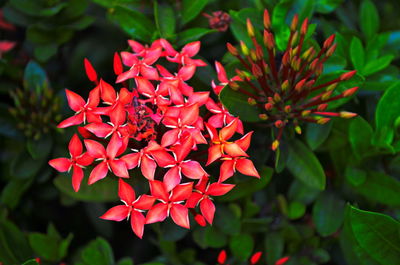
(201, 195)
(170, 203)
(108, 159)
(77, 161)
(132, 208)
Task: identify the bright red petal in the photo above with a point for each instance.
(144, 202)
(107, 92)
(207, 209)
(192, 169)
(60, 164)
(214, 152)
(157, 214)
(226, 170)
(99, 129)
(158, 190)
(117, 64)
(244, 142)
(77, 176)
(172, 178)
(219, 189)
(182, 192)
(118, 167)
(116, 213)
(234, 150)
(255, 258)
(148, 167)
(222, 77)
(113, 146)
(95, 149)
(137, 223)
(191, 49)
(227, 132)
(98, 173)
(282, 261)
(221, 257)
(246, 167)
(90, 72)
(179, 215)
(71, 121)
(75, 146)
(126, 192)
(75, 101)
(131, 160)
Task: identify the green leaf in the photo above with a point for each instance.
(355, 176)
(46, 51)
(36, 8)
(13, 191)
(278, 20)
(369, 18)
(102, 191)
(13, 244)
(296, 210)
(328, 213)
(134, 23)
(274, 246)
(380, 188)
(165, 19)
(24, 166)
(125, 261)
(360, 135)
(316, 134)
(191, 8)
(377, 65)
(34, 77)
(192, 34)
(377, 234)
(238, 105)
(98, 252)
(241, 246)
(304, 165)
(357, 54)
(302, 193)
(40, 149)
(327, 6)
(249, 187)
(114, 3)
(388, 108)
(226, 220)
(214, 238)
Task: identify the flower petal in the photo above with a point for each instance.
(116, 213)
(126, 192)
(60, 164)
(207, 209)
(192, 169)
(158, 190)
(98, 173)
(95, 149)
(172, 178)
(77, 176)
(219, 189)
(137, 223)
(182, 192)
(75, 101)
(157, 213)
(148, 167)
(144, 202)
(246, 167)
(179, 215)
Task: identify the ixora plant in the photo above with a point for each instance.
(155, 124)
(282, 89)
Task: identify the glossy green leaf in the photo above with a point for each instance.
(98, 252)
(13, 244)
(34, 77)
(357, 53)
(192, 8)
(388, 108)
(192, 34)
(377, 65)
(241, 246)
(296, 210)
(316, 134)
(226, 220)
(304, 165)
(360, 135)
(303, 193)
(369, 18)
(102, 191)
(214, 238)
(279, 25)
(377, 234)
(328, 213)
(165, 19)
(134, 23)
(40, 149)
(238, 105)
(274, 246)
(355, 176)
(30, 262)
(249, 187)
(327, 6)
(114, 3)
(45, 52)
(381, 188)
(14, 190)
(125, 261)
(37, 8)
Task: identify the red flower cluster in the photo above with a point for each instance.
(155, 126)
(254, 259)
(283, 87)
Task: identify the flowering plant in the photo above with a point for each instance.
(155, 125)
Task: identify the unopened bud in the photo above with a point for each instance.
(294, 23)
(286, 58)
(295, 38)
(259, 53)
(348, 75)
(263, 116)
(285, 85)
(347, 115)
(307, 53)
(350, 92)
(277, 97)
(267, 20)
(331, 87)
(253, 55)
(314, 64)
(304, 27)
(323, 120)
(275, 145)
(326, 95)
(244, 48)
(331, 50)
(319, 70)
(268, 106)
(232, 50)
(278, 124)
(297, 129)
(251, 101)
(310, 83)
(305, 113)
(250, 28)
(329, 41)
(299, 86)
(269, 40)
(200, 220)
(288, 108)
(234, 86)
(256, 71)
(322, 107)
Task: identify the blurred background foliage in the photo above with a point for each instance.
(300, 208)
